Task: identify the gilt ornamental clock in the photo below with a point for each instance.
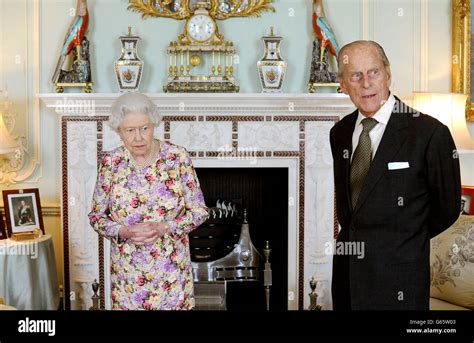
(201, 59)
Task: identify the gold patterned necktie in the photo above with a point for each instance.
(361, 160)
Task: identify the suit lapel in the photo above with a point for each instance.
(346, 153)
(392, 140)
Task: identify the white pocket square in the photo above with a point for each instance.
(398, 165)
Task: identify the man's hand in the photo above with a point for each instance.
(143, 233)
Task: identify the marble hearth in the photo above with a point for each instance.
(220, 131)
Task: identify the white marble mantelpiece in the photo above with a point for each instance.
(328, 104)
(281, 130)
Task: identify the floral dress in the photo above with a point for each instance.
(154, 276)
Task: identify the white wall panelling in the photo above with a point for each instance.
(19, 74)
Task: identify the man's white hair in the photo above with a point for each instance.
(360, 43)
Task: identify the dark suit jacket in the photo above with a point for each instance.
(397, 213)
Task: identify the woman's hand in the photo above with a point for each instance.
(143, 233)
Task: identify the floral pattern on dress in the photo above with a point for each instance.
(155, 276)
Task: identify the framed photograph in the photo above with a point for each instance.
(462, 52)
(3, 232)
(22, 211)
(467, 200)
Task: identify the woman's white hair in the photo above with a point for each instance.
(132, 103)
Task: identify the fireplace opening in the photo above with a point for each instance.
(263, 194)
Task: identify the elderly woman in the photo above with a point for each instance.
(146, 201)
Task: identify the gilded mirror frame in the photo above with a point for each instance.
(461, 59)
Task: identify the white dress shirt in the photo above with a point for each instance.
(382, 116)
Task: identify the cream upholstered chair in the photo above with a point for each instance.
(452, 267)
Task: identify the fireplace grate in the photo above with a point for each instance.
(241, 263)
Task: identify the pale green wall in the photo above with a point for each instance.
(110, 19)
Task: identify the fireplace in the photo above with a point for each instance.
(278, 131)
(263, 194)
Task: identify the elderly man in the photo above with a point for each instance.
(397, 184)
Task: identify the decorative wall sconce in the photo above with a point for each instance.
(11, 147)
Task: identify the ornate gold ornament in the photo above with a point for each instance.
(195, 60)
(219, 9)
(201, 40)
(461, 60)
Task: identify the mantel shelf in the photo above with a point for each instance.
(311, 104)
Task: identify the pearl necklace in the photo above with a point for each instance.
(150, 159)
